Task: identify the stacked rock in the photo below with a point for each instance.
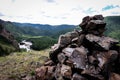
(83, 55)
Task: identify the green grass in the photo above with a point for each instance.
(28, 36)
(19, 63)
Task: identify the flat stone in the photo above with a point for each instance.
(78, 77)
(98, 17)
(50, 63)
(78, 57)
(64, 40)
(68, 51)
(95, 24)
(103, 42)
(55, 47)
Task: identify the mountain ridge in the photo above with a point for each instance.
(54, 31)
(37, 29)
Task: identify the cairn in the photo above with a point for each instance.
(83, 55)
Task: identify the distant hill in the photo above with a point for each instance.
(19, 29)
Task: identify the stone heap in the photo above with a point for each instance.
(83, 55)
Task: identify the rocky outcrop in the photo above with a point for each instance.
(83, 55)
(8, 39)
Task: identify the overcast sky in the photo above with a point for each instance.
(56, 12)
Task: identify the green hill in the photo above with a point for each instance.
(19, 29)
(113, 26)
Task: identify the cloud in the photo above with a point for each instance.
(89, 11)
(108, 7)
(115, 13)
(13, 0)
(50, 1)
(1, 14)
(56, 12)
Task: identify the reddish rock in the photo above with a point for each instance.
(61, 57)
(98, 17)
(41, 73)
(66, 71)
(49, 63)
(114, 76)
(78, 77)
(45, 73)
(79, 57)
(102, 42)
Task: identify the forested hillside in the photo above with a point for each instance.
(19, 29)
(113, 26)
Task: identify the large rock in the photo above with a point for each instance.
(94, 25)
(103, 42)
(106, 57)
(61, 57)
(79, 56)
(98, 17)
(114, 76)
(66, 39)
(45, 73)
(85, 21)
(66, 71)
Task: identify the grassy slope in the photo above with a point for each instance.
(21, 63)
